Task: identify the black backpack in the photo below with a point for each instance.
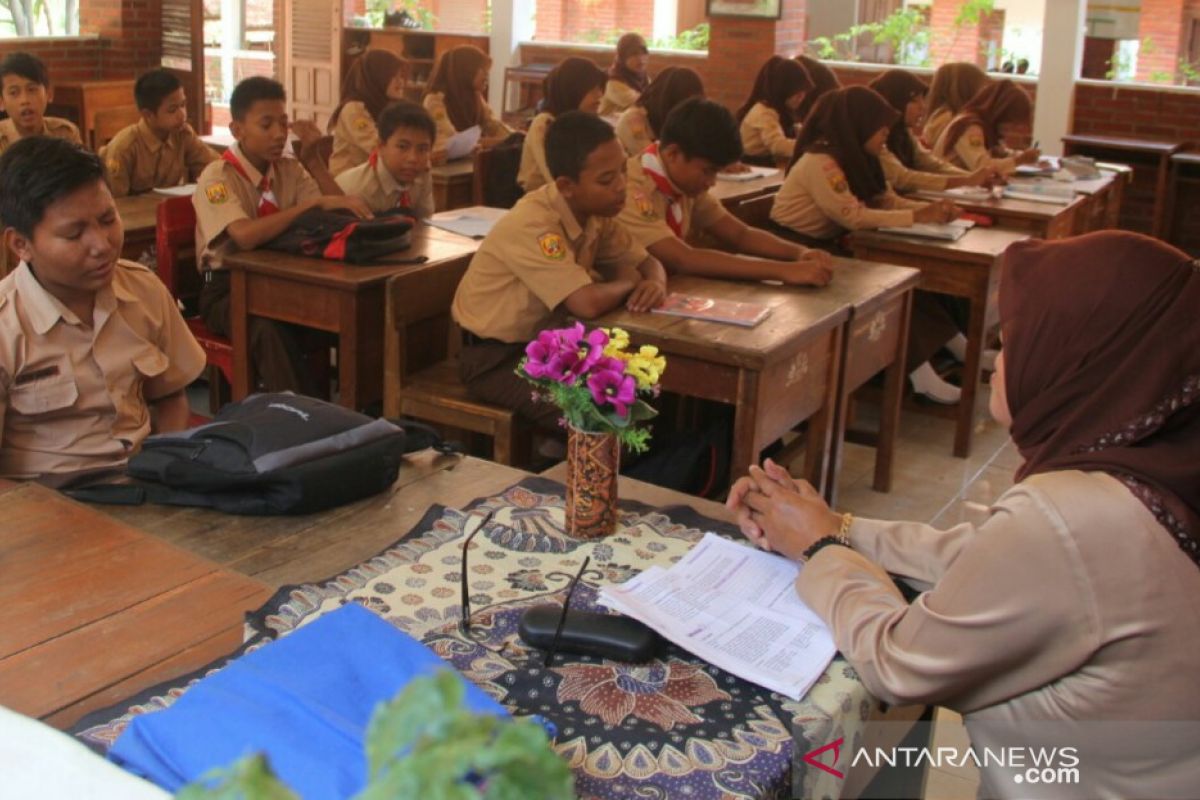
(276, 453)
(339, 235)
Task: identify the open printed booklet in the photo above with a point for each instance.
(949, 231)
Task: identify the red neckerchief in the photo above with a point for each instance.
(267, 204)
(652, 166)
(405, 200)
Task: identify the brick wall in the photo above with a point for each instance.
(1160, 21)
(465, 16)
(590, 20)
(951, 43)
(66, 59)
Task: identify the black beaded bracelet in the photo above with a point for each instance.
(825, 542)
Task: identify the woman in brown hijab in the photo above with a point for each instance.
(456, 101)
(638, 127)
(976, 136)
(1076, 605)
(375, 79)
(576, 84)
(627, 77)
(823, 81)
(953, 87)
(767, 120)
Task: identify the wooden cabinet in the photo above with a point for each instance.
(421, 49)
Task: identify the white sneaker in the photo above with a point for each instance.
(958, 348)
(928, 383)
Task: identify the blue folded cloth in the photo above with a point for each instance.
(305, 700)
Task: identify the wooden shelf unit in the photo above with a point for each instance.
(420, 48)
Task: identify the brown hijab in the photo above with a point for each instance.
(569, 82)
(1102, 365)
(367, 82)
(840, 124)
(995, 104)
(668, 89)
(778, 80)
(899, 87)
(454, 77)
(954, 85)
(823, 81)
(631, 44)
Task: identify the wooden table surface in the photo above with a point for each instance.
(1043, 220)
(139, 216)
(452, 184)
(727, 191)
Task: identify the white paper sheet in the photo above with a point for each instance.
(474, 222)
(949, 231)
(186, 190)
(462, 143)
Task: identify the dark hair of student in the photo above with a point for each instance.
(703, 129)
(405, 114)
(823, 80)
(569, 82)
(37, 171)
(840, 124)
(997, 103)
(154, 87)
(777, 81)
(571, 138)
(954, 85)
(900, 87)
(668, 89)
(28, 66)
(367, 82)
(250, 91)
(454, 76)
(631, 44)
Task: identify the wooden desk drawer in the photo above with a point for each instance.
(873, 341)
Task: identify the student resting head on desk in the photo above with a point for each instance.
(627, 77)
(576, 84)
(908, 165)
(395, 177)
(245, 199)
(976, 136)
(824, 81)
(456, 101)
(952, 88)
(374, 80)
(94, 354)
(767, 120)
(559, 251)
(161, 149)
(24, 95)
(668, 203)
(1076, 600)
(838, 184)
(639, 125)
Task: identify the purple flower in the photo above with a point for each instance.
(614, 387)
(564, 354)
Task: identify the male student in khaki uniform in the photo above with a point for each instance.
(24, 95)
(396, 174)
(161, 149)
(668, 202)
(247, 198)
(94, 355)
(558, 252)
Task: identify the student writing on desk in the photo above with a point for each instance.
(559, 251)
(1075, 603)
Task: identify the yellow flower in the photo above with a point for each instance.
(618, 341)
(646, 366)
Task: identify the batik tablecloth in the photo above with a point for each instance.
(676, 727)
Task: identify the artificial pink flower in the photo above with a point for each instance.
(613, 387)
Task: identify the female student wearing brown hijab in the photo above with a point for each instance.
(1076, 604)
(375, 79)
(907, 164)
(976, 136)
(837, 184)
(823, 79)
(767, 121)
(627, 77)
(953, 87)
(455, 98)
(639, 125)
(576, 84)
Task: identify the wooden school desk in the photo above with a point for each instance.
(138, 215)
(1185, 171)
(777, 374)
(750, 201)
(1156, 154)
(93, 611)
(452, 184)
(968, 268)
(1041, 220)
(330, 296)
(1102, 197)
(89, 97)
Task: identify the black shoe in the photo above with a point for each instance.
(400, 19)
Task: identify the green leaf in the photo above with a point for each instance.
(248, 778)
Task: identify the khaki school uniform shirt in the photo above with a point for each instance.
(618, 96)
(435, 104)
(533, 172)
(373, 183)
(224, 196)
(763, 134)
(1070, 602)
(929, 173)
(815, 200)
(633, 130)
(935, 124)
(138, 161)
(354, 138)
(533, 259)
(971, 152)
(51, 126)
(645, 212)
(74, 396)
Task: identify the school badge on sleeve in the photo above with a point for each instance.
(362, 124)
(837, 182)
(643, 205)
(216, 193)
(552, 246)
(113, 165)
